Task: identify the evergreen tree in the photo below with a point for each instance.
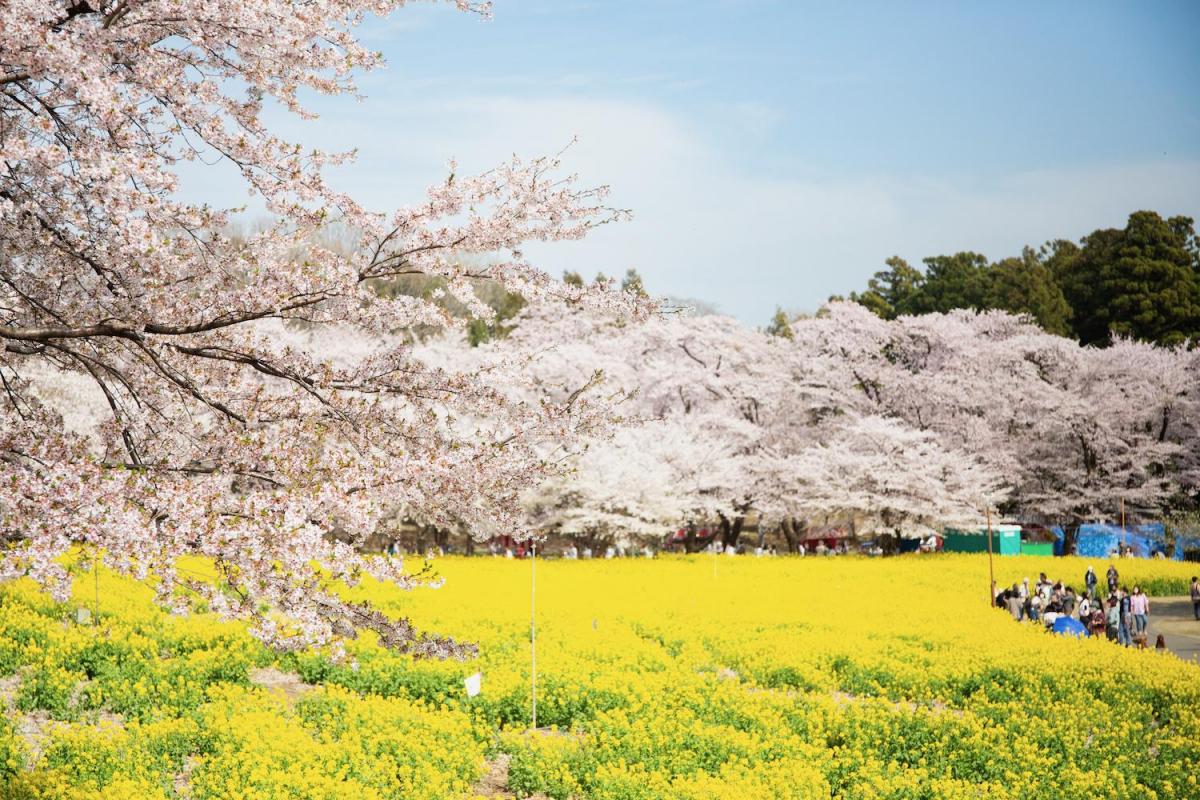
(780, 325)
(632, 282)
(1026, 285)
(1141, 281)
(890, 292)
(957, 281)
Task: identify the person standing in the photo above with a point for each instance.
(1196, 597)
(1139, 606)
(1089, 580)
(1112, 619)
(1112, 578)
(1012, 602)
(1126, 619)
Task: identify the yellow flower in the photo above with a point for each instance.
(774, 678)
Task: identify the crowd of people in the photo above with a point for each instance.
(1118, 614)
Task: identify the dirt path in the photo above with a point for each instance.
(1173, 618)
(289, 683)
(494, 783)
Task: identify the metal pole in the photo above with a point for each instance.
(991, 569)
(533, 625)
(1124, 537)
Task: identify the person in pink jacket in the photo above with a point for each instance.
(1139, 606)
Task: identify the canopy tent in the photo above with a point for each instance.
(829, 535)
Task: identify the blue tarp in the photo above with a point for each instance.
(1099, 540)
(1070, 627)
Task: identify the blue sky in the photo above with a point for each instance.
(777, 152)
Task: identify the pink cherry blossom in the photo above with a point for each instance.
(169, 388)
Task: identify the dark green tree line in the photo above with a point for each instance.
(1141, 281)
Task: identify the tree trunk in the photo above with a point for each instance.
(593, 540)
(424, 535)
(726, 530)
(735, 532)
(793, 531)
(1070, 536)
(731, 529)
(690, 543)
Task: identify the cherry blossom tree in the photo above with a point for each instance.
(882, 473)
(689, 389)
(222, 424)
(902, 425)
(625, 489)
(1070, 430)
(1124, 428)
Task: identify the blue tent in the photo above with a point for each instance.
(1100, 540)
(1069, 626)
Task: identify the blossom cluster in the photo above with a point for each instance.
(165, 384)
(905, 426)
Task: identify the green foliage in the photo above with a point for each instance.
(891, 292)
(546, 764)
(478, 332)
(1142, 281)
(957, 281)
(632, 282)
(1026, 285)
(51, 688)
(12, 751)
(504, 303)
(1184, 522)
(780, 325)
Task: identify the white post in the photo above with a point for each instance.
(533, 625)
(991, 569)
(1124, 534)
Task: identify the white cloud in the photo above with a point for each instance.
(708, 227)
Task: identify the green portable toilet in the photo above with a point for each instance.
(1006, 540)
(1010, 539)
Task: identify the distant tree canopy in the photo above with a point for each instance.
(504, 303)
(781, 324)
(1141, 281)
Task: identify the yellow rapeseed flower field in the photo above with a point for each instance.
(680, 677)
